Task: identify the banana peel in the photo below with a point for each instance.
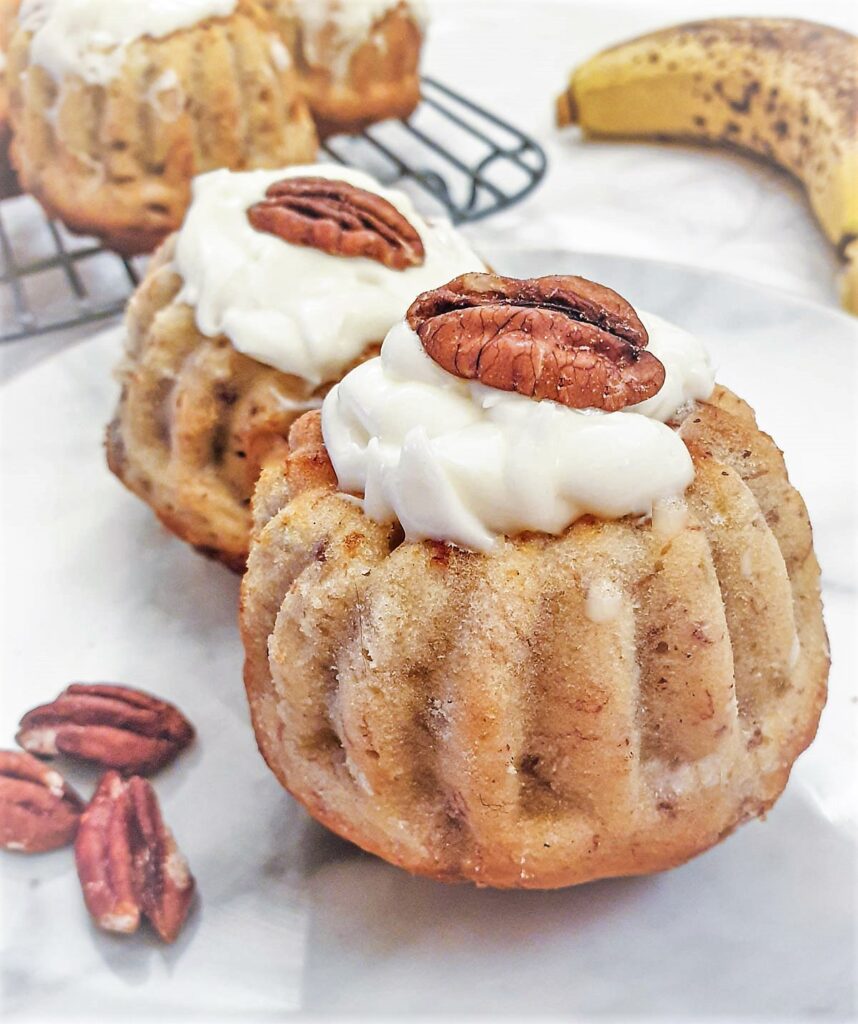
(849, 280)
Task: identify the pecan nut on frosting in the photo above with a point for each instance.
(566, 339)
(339, 219)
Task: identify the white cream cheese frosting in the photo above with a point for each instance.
(332, 30)
(293, 307)
(88, 37)
(457, 461)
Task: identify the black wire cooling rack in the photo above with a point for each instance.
(454, 155)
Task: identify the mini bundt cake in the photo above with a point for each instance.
(532, 602)
(8, 10)
(277, 283)
(358, 59)
(116, 105)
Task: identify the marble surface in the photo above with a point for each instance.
(291, 918)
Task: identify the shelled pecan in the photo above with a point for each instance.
(113, 726)
(338, 219)
(128, 862)
(566, 339)
(39, 811)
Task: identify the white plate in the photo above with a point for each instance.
(291, 917)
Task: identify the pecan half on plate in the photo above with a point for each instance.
(113, 726)
(39, 811)
(338, 219)
(566, 339)
(128, 862)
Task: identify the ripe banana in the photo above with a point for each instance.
(783, 89)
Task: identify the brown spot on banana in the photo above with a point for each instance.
(749, 83)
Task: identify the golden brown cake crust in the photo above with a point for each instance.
(117, 160)
(463, 716)
(196, 419)
(8, 184)
(352, 84)
(8, 10)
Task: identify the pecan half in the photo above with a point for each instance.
(38, 809)
(339, 219)
(560, 338)
(114, 726)
(128, 862)
(162, 879)
(103, 857)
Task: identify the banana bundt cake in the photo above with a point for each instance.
(8, 10)
(277, 283)
(531, 601)
(358, 60)
(116, 105)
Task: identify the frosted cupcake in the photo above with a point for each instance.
(277, 284)
(8, 10)
(532, 601)
(358, 59)
(116, 105)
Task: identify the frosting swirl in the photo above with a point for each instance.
(88, 37)
(457, 461)
(300, 310)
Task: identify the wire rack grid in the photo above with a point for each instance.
(457, 158)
